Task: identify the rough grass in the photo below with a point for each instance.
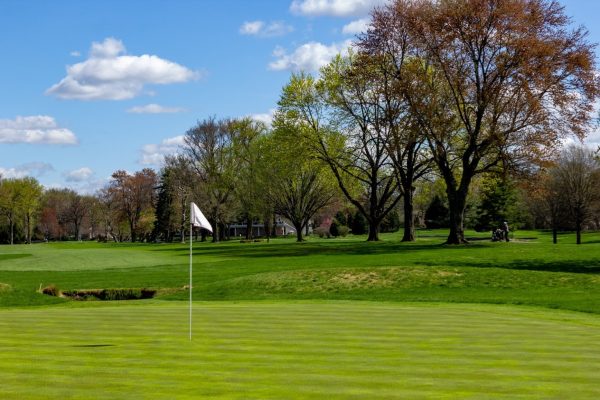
(343, 350)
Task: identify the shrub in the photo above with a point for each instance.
(343, 230)
(51, 290)
(333, 229)
(111, 294)
(359, 224)
(322, 232)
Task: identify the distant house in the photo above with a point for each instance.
(282, 228)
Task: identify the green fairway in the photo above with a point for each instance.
(340, 350)
(337, 318)
(529, 270)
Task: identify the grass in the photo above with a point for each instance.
(529, 270)
(274, 350)
(282, 320)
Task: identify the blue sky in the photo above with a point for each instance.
(89, 87)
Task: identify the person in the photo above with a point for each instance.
(505, 231)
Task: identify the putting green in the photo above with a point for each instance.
(293, 350)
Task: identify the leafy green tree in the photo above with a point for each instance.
(497, 204)
(29, 203)
(298, 184)
(335, 119)
(10, 203)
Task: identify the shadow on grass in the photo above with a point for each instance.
(293, 249)
(573, 266)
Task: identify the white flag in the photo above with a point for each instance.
(198, 219)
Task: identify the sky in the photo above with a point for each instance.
(90, 87)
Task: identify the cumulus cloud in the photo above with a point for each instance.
(78, 175)
(34, 169)
(356, 27)
(308, 57)
(35, 129)
(261, 29)
(334, 8)
(110, 74)
(154, 154)
(593, 139)
(155, 109)
(267, 118)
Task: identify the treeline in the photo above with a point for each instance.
(454, 107)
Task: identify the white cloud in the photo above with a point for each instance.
(78, 175)
(334, 8)
(308, 57)
(75, 54)
(155, 109)
(155, 153)
(259, 28)
(593, 139)
(110, 74)
(34, 169)
(38, 129)
(267, 118)
(251, 28)
(356, 27)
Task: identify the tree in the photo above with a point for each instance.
(345, 132)
(297, 183)
(248, 188)
(74, 211)
(436, 215)
(30, 198)
(498, 200)
(10, 198)
(134, 195)
(208, 145)
(177, 182)
(490, 82)
(575, 182)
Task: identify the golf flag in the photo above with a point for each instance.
(198, 219)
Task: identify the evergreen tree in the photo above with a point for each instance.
(436, 215)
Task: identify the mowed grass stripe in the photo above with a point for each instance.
(298, 350)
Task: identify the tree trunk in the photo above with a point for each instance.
(554, 234)
(409, 221)
(457, 200)
(578, 230)
(298, 226)
(215, 234)
(373, 231)
(248, 228)
(12, 231)
(28, 223)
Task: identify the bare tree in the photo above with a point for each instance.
(575, 184)
(209, 148)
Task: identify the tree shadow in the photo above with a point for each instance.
(573, 266)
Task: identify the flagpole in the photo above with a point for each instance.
(191, 227)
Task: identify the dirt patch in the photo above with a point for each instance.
(4, 287)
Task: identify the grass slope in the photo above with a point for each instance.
(529, 270)
(343, 350)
